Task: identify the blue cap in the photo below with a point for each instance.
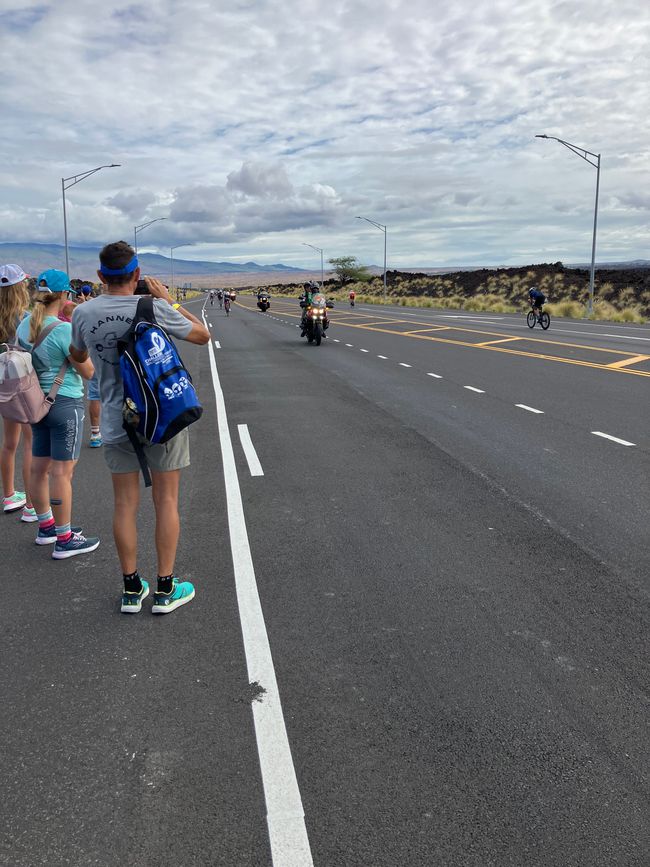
(86, 289)
(55, 281)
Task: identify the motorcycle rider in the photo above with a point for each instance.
(309, 290)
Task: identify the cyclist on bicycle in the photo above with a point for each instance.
(226, 302)
(220, 297)
(211, 297)
(536, 299)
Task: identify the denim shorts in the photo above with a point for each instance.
(93, 388)
(59, 434)
(161, 457)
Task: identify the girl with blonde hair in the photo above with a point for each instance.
(57, 436)
(14, 304)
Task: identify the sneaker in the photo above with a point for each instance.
(95, 441)
(132, 602)
(48, 537)
(29, 516)
(76, 544)
(165, 603)
(16, 501)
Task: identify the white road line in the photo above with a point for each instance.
(336, 341)
(471, 388)
(285, 814)
(363, 350)
(351, 345)
(402, 364)
(254, 464)
(383, 356)
(613, 439)
(217, 344)
(434, 375)
(530, 408)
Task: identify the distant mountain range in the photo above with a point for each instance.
(84, 262)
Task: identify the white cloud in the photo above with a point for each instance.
(259, 126)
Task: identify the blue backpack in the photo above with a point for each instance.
(159, 398)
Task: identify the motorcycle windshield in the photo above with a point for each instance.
(318, 301)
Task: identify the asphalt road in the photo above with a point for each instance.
(453, 588)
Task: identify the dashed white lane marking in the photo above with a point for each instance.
(217, 344)
(363, 350)
(336, 341)
(285, 815)
(434, 375)
(530, 408)
(621, 442)
(351, 345)
(471, 388)
(402, 364)
(383, 356)
(254, 464)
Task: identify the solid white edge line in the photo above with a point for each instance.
(530, 408)
(285, 813)
(621, 442)
(254, 464)
(471, 388)
(217, 344)
(434, 375)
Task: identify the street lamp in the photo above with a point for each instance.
(137, 229)
(383, 229)
(318, 250)
(171, 255)
(66, 183)
(584, 154)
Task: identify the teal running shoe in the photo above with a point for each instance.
(132, 602)
(164, 603)
(16, 501)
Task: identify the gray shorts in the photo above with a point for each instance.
(58, 435)
(161, 457)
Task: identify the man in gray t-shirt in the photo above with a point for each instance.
(96, 327)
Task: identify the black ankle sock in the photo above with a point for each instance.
(132, 583)
(165, 583)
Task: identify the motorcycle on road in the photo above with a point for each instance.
(316, 319)
(263, 302)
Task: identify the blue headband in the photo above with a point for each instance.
(116, 272)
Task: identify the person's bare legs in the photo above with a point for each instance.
(39, 484)
(165, 500)
(61, 473)
(94, 411)
(27, 462)
(126, 496)
(10, 439)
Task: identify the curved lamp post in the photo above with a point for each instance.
(318, 250)
(584, 154)
(171, 256)
(66, 183)
(383, 229)
(137, 229)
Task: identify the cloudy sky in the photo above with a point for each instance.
(256, 126)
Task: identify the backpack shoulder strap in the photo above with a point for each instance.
(144, 311)
(44, 333)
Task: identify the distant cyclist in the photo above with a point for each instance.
(226, 302)
(211, 297)
(220, 298)
(536, 299)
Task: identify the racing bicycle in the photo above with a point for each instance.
(538, 315)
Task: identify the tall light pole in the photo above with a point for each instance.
(171, 255)
(137, 229)
(318, 250)
(584, 154)
(383, 229)
(66, 183)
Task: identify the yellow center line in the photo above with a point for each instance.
(425, 330)
(504, 340)
(488, 347)
(635, 360)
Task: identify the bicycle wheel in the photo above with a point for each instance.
(545, 320)
(531, 319)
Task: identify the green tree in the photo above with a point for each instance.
(348, 270)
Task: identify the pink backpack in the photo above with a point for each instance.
(21, 396)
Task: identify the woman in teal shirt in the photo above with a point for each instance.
(57, 437)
